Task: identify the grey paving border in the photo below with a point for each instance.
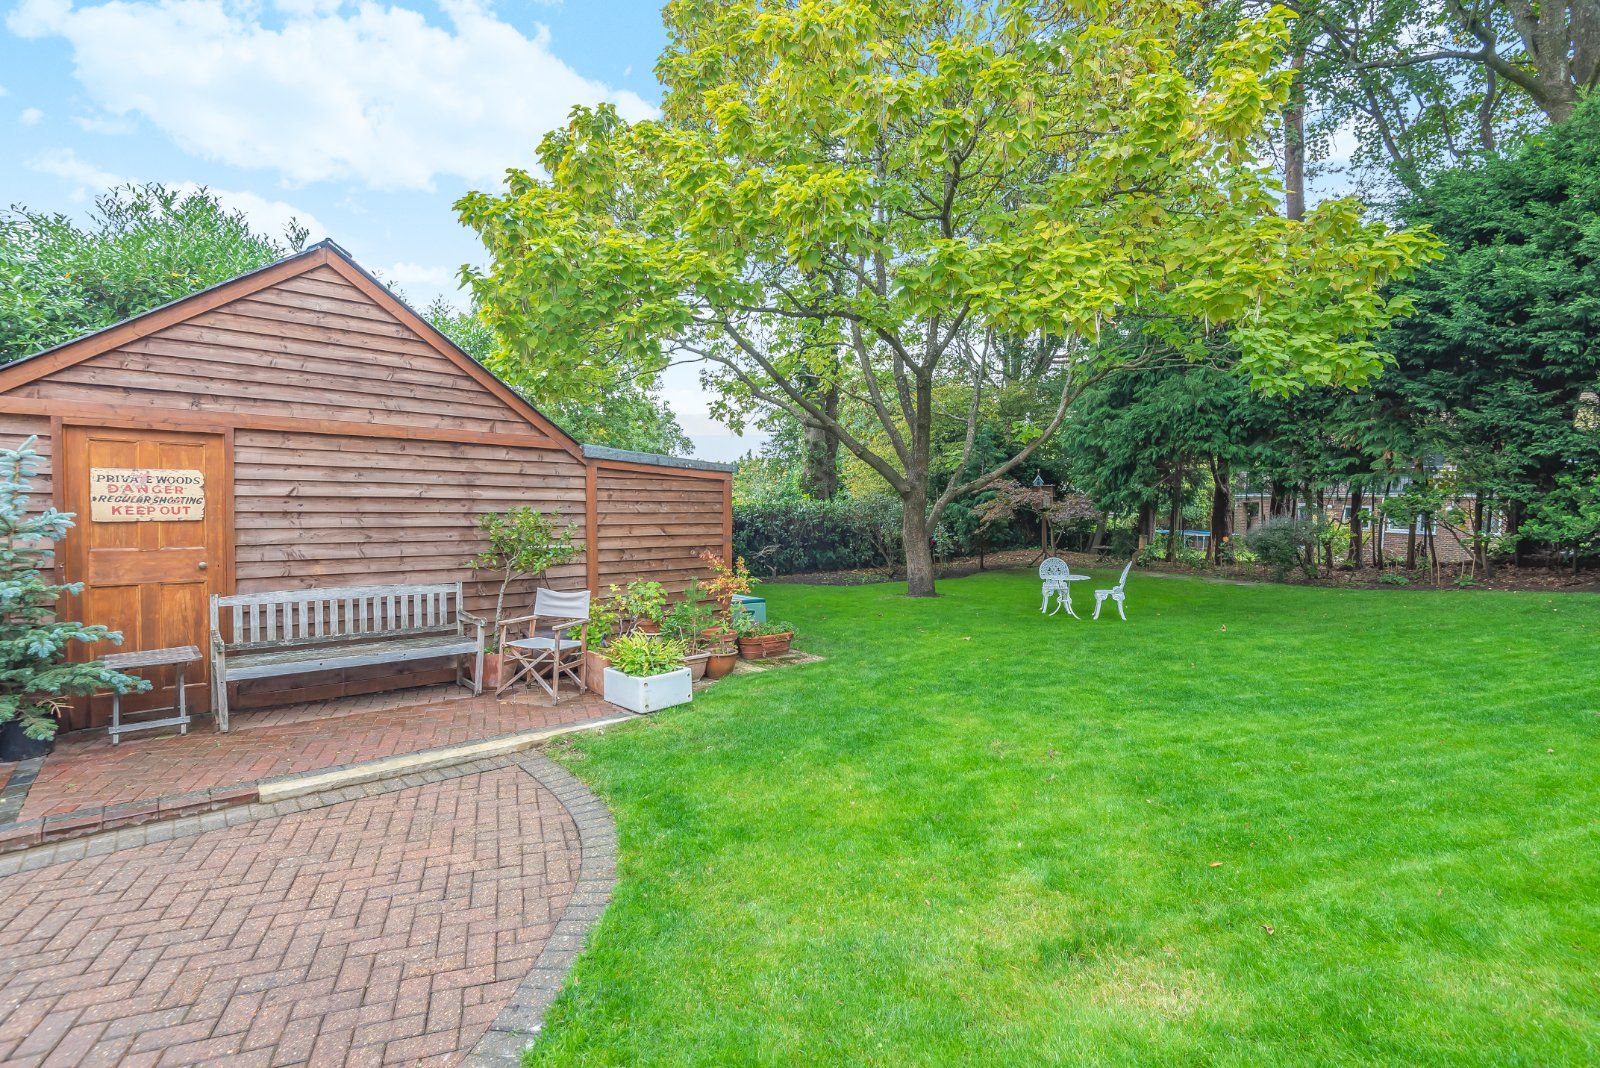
(520, 1022)
(15, 794)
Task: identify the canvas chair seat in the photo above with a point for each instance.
(543, 658)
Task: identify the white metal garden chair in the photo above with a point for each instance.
(1115, 593)
(548, 651)
(1057, 579)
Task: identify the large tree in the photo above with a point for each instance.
(142, 246)
(926, 184)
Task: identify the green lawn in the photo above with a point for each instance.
(1253, 825)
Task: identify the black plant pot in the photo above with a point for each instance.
(14, 745)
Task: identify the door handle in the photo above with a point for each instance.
(201, 565)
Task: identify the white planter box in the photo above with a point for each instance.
(649, 694)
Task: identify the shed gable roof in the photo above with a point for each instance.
(314, 294)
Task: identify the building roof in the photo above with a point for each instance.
(603, 452)
(46, 361)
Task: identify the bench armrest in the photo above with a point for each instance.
(468, 617)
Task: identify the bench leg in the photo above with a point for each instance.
(220, 703)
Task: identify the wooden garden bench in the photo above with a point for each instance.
(292, 632)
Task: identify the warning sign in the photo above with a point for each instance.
(145, 495)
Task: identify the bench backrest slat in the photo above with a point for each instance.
(298, 617)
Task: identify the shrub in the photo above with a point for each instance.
(789, 536)
(1281, 545)
(1389, 578)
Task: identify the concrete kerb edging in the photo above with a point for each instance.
(389, 767)
(89, 822)
(521, 1021)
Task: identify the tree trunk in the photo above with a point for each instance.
(1294, 145)
(819, 475)
(1480, 543)
(1099, 534)
(1147, 523)
(1221, 510)
(1411, 544)
(919, 551)
(1175, 510)
(1355, 526)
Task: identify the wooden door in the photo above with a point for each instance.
(149, 577)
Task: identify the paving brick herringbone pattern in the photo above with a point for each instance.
(87, 770)
(385, 930)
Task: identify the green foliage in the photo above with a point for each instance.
(1283, 545)
(644, 655)
(641, 599)
(690, 617)
(1569, 516)
(786, 537)
(144, 245)
(605, 619)
(1492, 368)
(35, 676)
(523, 542)
(629, 416)
(1390, 578)
(1156, 552)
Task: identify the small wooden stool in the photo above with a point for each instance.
(176, 658)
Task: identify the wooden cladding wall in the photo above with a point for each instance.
(310, 347)
(654, 525)
(324, 510)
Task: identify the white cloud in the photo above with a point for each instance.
(64, 163)
(30, 116)
(361, 91)
(266, 215)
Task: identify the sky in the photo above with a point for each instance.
(364, 121)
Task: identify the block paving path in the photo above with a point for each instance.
(387, 924)
(86, 770)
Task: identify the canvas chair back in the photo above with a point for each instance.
(561, 604)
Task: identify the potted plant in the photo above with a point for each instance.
(523, 543)
(752, 643)
(725, 582)
(604, 621)
(687, 621)
(642, 602)
(647, 672)
(777, 637)
(36, 678)
(721, 658)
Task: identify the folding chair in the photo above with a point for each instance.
(548, 651)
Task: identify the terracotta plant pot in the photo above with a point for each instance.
(696, 665)
(494, 666)
(647, 626)
(594, 670)
(753, 648)
(778, 644)
(719, 664)
(717, 635)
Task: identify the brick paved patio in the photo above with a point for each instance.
(87, 770)
(391, 928)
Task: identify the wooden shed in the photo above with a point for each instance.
(340, 440)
